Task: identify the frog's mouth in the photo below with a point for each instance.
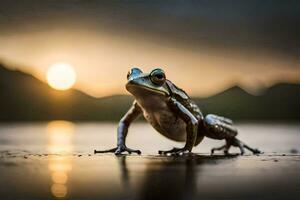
(135, 89)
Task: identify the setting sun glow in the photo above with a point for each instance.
(61, 76)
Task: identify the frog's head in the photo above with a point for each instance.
(140, 83)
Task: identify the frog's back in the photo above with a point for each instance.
(181, 96)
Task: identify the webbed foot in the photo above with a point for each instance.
(105, 151)
(122, 149)
(212, 151)
(119, 150)
(169, 151)
(242, 146)
(237, 143)
(254, 151)
(175, 152)
(257, 151)
(226, 148)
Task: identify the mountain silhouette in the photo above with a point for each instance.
(25, 98)
(279, 102)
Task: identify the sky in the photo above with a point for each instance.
(204, 46)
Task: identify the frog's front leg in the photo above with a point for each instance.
(191, 128)
(124, 124)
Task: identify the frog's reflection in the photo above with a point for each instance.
(166, 177)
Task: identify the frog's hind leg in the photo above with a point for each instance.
(220, 128)
(239, 144)
(224, 147)
(242, 146)
(217, 149)
(236, 143)
(254, 151)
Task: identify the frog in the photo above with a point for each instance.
(173, 114)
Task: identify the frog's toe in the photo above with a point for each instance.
(212, 151)
(257, 151)
(106, 151)
(182, 152)
(169, 151)
(175, 152)
(120, 150)
(133, 151)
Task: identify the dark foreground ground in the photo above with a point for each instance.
(86, 176)
(51, 160)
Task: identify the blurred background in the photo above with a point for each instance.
(63, 67)
(68, 59)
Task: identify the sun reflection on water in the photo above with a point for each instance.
(60, 135)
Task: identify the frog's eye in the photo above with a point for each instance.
(158, 76)
(128, 74)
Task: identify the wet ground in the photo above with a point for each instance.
(56, 161)
(86, 176)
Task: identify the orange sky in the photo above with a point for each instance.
(102, 60)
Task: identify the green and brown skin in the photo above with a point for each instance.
(173, 114)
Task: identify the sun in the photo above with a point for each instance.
(61, 76)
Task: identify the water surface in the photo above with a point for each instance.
(59, 136)
(54, 161)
